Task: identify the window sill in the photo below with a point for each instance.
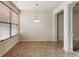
(3, 41)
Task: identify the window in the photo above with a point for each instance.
(5, 31)
(4, 22)
(8, 22)
(14, 23)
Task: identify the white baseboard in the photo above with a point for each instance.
(36, 40)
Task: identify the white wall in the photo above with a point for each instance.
(55, 12)
(31, 31)
(68, 45)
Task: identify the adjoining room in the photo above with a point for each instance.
(60, 28)
(76, 27)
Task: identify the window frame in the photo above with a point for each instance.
(10, 23)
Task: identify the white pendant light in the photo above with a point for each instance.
(36, 20)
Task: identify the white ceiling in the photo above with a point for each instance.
(43, 5)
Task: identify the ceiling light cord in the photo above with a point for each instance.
(37, 11)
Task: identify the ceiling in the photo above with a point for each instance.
(31, 5)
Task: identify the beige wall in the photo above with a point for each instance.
(76, 22)
(31, 31)
(60, 25)
(76, 25)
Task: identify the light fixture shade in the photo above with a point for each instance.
(36, 21)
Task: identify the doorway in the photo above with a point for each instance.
(76, 27)
(60, 28)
